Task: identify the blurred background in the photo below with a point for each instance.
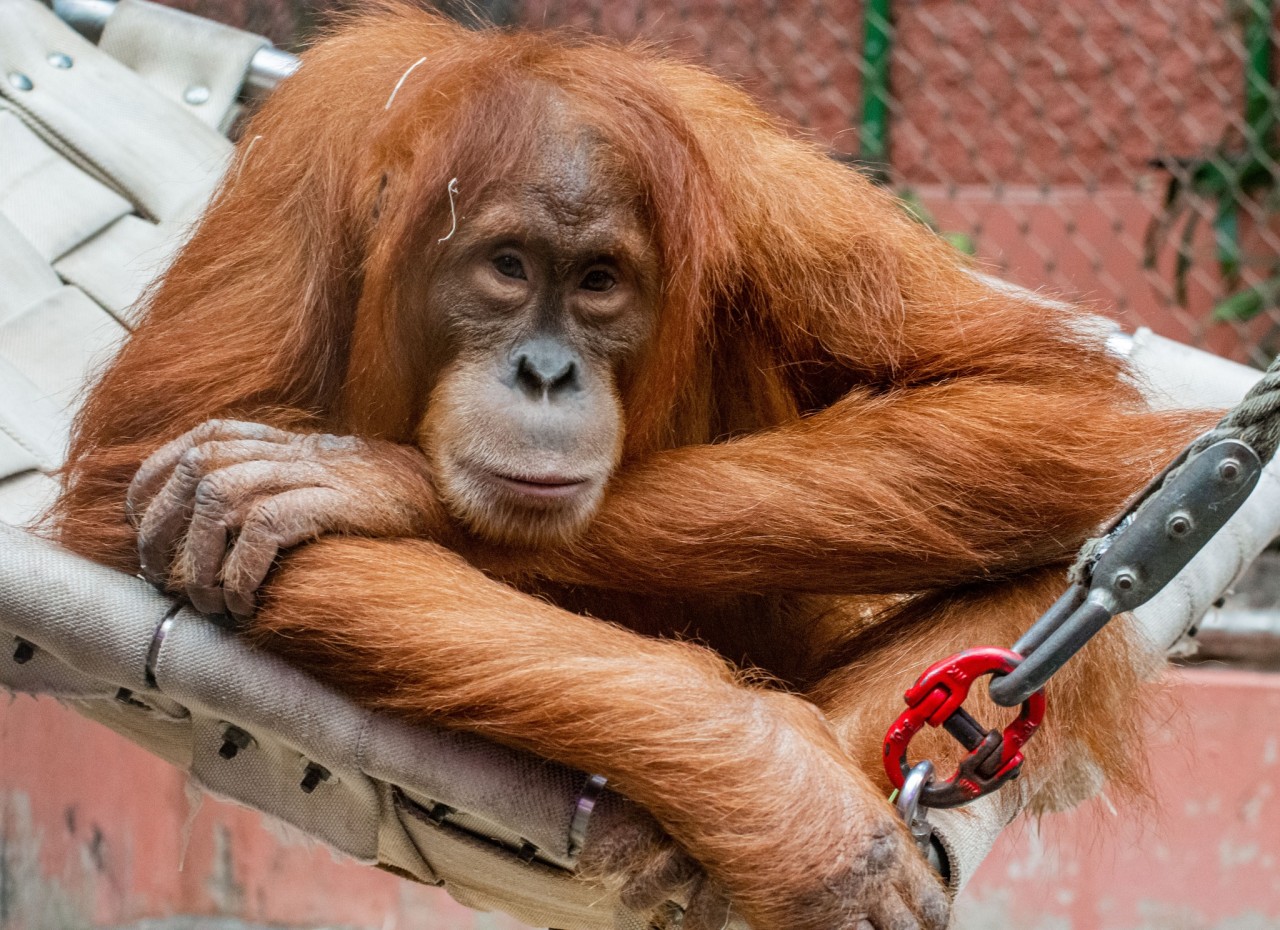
(1118, 152)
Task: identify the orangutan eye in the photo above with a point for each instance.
(597, 279)
(509, 267)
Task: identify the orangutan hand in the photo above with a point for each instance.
(627, 849)
(216, 506)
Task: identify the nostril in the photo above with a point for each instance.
(544, 373)
(566, 377)
(527, 376)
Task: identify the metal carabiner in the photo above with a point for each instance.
(935, 700)
(913, 814)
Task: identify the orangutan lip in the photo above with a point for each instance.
(545, 486)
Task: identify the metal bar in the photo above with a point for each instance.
(1143, 554)
(967, 731)
(1052, 618)
(1036, 669)
(267, 69)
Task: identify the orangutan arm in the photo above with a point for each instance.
(752, 783)
(920, 488)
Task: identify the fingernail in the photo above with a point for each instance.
(207, 601)
(241, 607)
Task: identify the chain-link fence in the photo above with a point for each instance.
(1122, 152)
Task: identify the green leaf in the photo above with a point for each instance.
(1248, 303)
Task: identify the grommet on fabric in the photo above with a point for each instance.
(312, 776)
(196, 94)
(60, 60)
(23, 651)
(233, 740)
(19, 81)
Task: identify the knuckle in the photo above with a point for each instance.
(193, 461)
(883, 848)
(211, 494)
(263, 520)
(210, 428)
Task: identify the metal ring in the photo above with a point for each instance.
(587, 801)
(908, 802)
(157, 640)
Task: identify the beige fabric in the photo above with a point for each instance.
(1174, 375)
(94, 631)
(31, 420)
(25, 496)
(59, 340)
(968, 834)
(54, 204)
(90, 156)
(25, 276)
(106, 118)
(197, 63)
(117, 265)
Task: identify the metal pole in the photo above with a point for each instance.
(268, 67)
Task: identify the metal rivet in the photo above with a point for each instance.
(126, 697)
(20, 81)
(196, 94)
(1178, 525)
(1124, 581)
(312, 777)
(60, 60)
(233, 740)
(439, 813)
(1228, 469)
(23, 651)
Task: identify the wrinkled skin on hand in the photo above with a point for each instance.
(627, 849)
(215, 507)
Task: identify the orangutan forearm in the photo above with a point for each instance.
(751, 782)
(929, 487)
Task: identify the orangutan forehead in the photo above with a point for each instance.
(569, 185)
(571, 176)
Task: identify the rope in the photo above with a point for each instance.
(1255, 421)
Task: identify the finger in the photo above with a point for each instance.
(708, 908)
(203, 552)
(154, 472)
(663, 872)
(887, 843)
(934, 907)
(277, 523)
(927, 895)
(169, 512)
(887, 911)
(220, 503)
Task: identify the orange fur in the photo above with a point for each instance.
(846, 456)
